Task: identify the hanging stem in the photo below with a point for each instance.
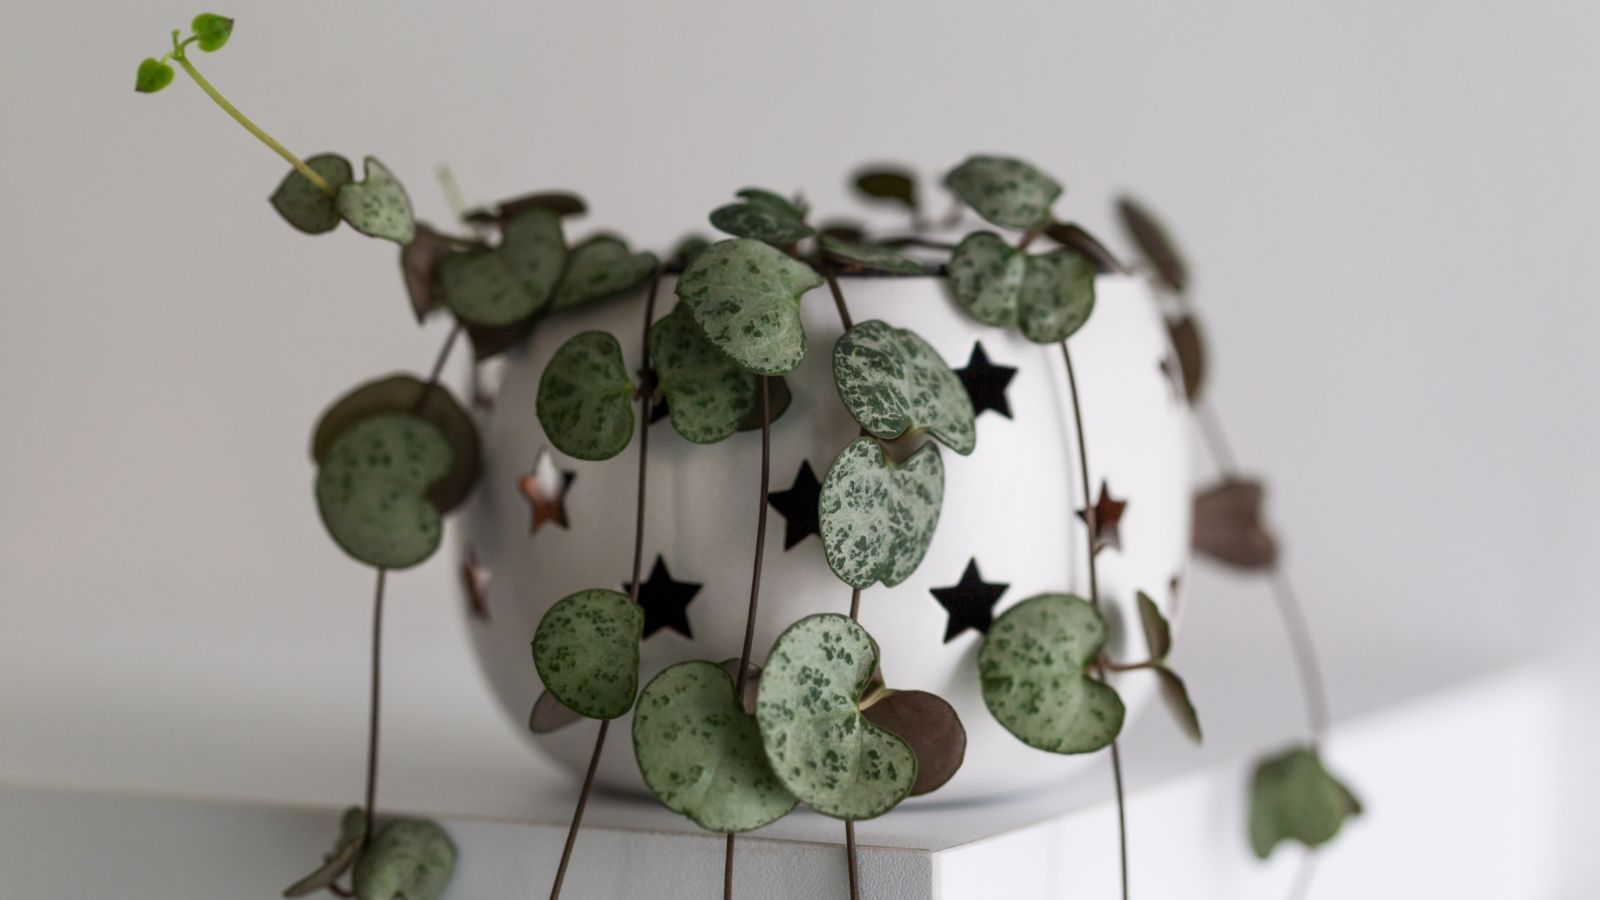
(372, 712)
(1094, 599)
(577, 813)
(438, 368)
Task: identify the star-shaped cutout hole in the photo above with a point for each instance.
(545, 488)
(665, 602)
(1107, 523)
(986, 382)
(475, 584)
(798, 505)
(970, 602)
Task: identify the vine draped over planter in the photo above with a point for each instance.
(731, 745)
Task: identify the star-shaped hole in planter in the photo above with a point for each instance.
(798, 506)
(986, 382)
(1107, 513)
(545, 488)
(970, 602)
(665, 601)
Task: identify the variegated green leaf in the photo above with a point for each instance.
(306, 206)
(700, 753)
(511, 282)
(820, 745)
(986, 275)
(585, 398)
(709, 396)
(763, 216)
(893, 382)
(1034, 672)
(587, 652)
(1293, 798)
(377, 205)
(1057, 296)
(1007, 192)
(408, 859)
(352, 830)
(746, 297)
(372, 489)
(868, 256)
(600, 268)
(878, 517)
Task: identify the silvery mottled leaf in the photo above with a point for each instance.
(306, 206)
(1034, 672)
(377, 205)
(1293, 798)
(549, 715)
(893, 383)
(868, 256)
(352, 829)
(212, 30)
(1228, 527)
(708, 394)
(600, 268)
(746, 297)
(878, 517)
(587, 652)
(585, 398)
(1176, 698)
(1157, 633)
(1057, 296)
(930, 727)
(1007, 192)
(700, 753)
(1153, 242)
(819, 744)
(372, 489)
(400, 394)
(769, 218)
(894, 185)
(511, 282)
(986, 276)
(411, 859)
(1185, 334)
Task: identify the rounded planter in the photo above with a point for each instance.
(1009, 527)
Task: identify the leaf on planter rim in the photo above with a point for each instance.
(708, 394)
(1057, 296)
(888, 183)
(1186, 341)
(1293, 797)
(1157, 633)
(587, 652)
(1034, 671)
(373, 486)
(1176, 697)
(306, 206)
(550, 715)
(877, 516)
(893, 382)
(1153, 242)
(746, 297)
(1008, 192)
(700, 752)
(561, 203)
(377, 205)
(778, 399)
(506, 284)
(762, 216)
(867, 256)
(930, 727)
(352, 829)
(586, 399)
(819, 744)
(600, 268)
(986, 275)
(1228, 526)
(407, 858)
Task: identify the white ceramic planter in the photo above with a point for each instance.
(1010, 506)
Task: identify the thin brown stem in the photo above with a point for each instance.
(727, 869)
(838, 296)
(1110, 666)
(372, 711)
(577, 813)
(850, 855)
(438, 368)
(855, 604)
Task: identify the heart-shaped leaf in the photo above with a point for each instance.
(585, 398)
(865, 256)
(549, 715)
(306, 206)
(559, 202)
(700, 753)
(763, 216)
(1007, 192)
(1176, 698)
(1034, 672)
(1292, 797)
(986, 275)
(1157, 633)
(820, 746)
(153, 76)
(510, 282)
(894, 185)
(878, 517)
(377, 205)
(405, 394)
(1228, 527)
(894, 383)
(600, 268)
(212, 30)
(746, 297)
(411, 859)
(1185, 334)
(1057, 296)
(930, 727)
(352, 829)
(372, 489)
(587, 652)
(1153, 242)
(708, 394)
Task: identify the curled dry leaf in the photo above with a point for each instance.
(419, 266)
(930, 727)
(1228, 528)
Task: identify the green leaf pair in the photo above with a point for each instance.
(1292, 797)
(376, 206)
(1034, 670)
(763, 216)
(1048, 297)
(407, 858)
(209, 31)
(1158, 638)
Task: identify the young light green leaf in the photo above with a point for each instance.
(352, 829)
(153, 76)
(1057, 296)
(700, 753)
(878, 517)
(746, 297)
(377, 205)
(1034, 672)
(600, 268)
(861, 255)
(893, 382)
(708, 394)
(212, 30)
(587, 652)
(820, 745)
(762, 217)
(986, 275)
(585, 398)
(1176, 698)
(1007, 192)
(372, 489)
(1292, 797)
(306, 206)
(411, 859)
(511, 282)
(1157, 633)
(890, 184)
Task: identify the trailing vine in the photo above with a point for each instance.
(731, 745)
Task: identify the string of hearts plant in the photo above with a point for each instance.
(730, 745)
